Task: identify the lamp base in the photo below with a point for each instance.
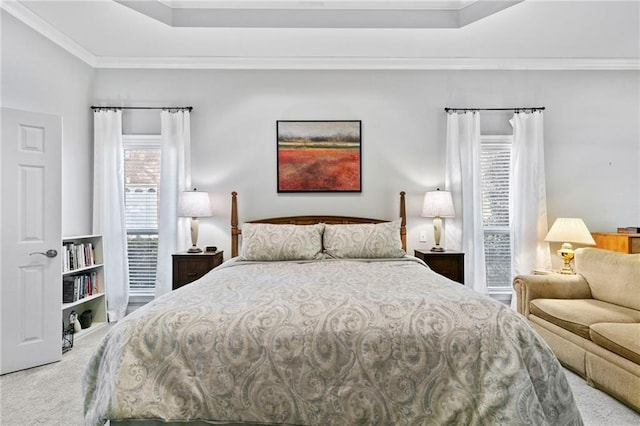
(566, 253)
(194, 250)
(437, 232)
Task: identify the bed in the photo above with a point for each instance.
(352, 332)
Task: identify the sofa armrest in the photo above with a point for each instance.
(550, 286)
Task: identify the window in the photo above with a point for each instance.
(142, 185)
(495, 159)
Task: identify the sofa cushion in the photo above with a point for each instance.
(623, 339)
(613, 277)
(577, 315)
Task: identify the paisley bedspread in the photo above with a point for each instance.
(327, 342)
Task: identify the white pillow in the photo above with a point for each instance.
(265, 241)
(364, 241)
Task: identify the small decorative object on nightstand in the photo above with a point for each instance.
(188, 267)
(447, 263)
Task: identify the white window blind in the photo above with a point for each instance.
(495, 158)
(142, 180)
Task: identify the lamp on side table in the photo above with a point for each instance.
(437, 204)
(566, 231)
(194, 204)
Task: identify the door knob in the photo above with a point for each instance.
(48, 253)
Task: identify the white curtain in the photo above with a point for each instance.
(175, 177)
(528, 196)
(108, 208)
(462, 178)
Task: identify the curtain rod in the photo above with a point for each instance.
(447, 109)
(188, 108)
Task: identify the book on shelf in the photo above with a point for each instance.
(78, 255)
(68, 290)
(629, 230)
(78, 287)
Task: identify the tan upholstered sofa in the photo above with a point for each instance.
(591, 320)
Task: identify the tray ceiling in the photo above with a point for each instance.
(317, 14)
(335, 34)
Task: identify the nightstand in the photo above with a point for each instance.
(447, 263)
(188, 267)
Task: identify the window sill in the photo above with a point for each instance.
(501, 294)
(137, 301)
(141, 297)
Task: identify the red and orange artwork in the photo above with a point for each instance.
(321, 156)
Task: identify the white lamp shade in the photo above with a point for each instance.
(569, 230)
(194, 204)
(438, 204)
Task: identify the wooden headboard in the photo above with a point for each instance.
(310, 220)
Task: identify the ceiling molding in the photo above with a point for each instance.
(313, 63)
(317, 4)
(318, 14)
(34, 21)
(371, 63)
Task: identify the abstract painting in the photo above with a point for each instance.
(319, 156)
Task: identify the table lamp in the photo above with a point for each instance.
(437, 204)
(566, 231)
(194, 204)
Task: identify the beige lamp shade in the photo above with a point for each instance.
(567, 230)
(194, 204)
(438, 204)
(570, 230)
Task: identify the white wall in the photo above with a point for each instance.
(591, 130)
(39, 76)
(592, 138)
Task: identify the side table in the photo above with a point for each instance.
(188, 267)
(447, 263)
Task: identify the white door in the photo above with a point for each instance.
(30, 215)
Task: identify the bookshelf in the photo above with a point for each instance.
(83, 281)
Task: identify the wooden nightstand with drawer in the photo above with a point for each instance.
(188, 267)
(447, 263)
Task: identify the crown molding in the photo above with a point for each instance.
(371, 63)
(315, 62)
(315, 4)
(318, 14)
(34, 21)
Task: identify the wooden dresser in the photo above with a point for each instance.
(625, 243)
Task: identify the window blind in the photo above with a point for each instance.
(495, 158)
(142, 179)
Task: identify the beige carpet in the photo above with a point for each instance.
(50, 395)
